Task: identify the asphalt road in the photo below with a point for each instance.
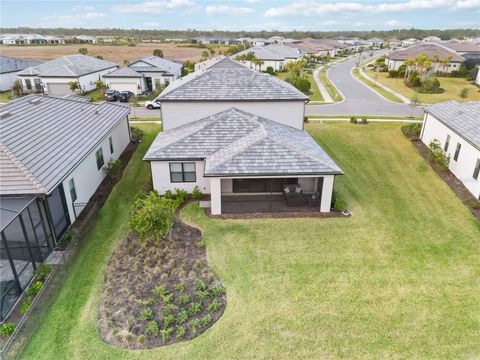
(359, 99)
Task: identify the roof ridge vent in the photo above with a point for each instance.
(35, 101)
(5, 113)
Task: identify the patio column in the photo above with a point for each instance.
(327, 191)
(215, 196)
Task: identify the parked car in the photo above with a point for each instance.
(125, 96)
(154, 104)
(111, 95)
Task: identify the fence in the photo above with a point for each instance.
(29, 323)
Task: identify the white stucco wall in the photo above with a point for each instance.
(178, 113)
(395, 65)
(86, 176)
(462, 168)
(123, 84)
(7, 80)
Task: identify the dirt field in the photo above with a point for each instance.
(116, 54)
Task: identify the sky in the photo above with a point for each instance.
(248, 15)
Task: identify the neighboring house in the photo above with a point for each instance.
(457, 127)
(432, 39)
(260, 42)
(216, 41)
(52, 157)
(375, 42)
(125, 79)
(273, 55)
(316, 48)
(236, 152)
(207, 63)
(85, 39)
(397, 58)
(9, 69)
(228, 84)
(409, 42)
(464, 48)
(476, 75)
(394, 43)
(156, 71)
(53, 77)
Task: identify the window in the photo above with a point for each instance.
(457, 151)
(99, 156)
(110, 141)
(38, 85)
(182, 172)
(447, 143)
(73, 192)
(477, 170)
(28, 84)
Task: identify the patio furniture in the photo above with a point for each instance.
(314, 199)
(294, 195)
(291, 189)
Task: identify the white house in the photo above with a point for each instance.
(52, 157)
(228, 84)
(147, 74)
(238, 136)
(274, 56)
(9, 69)
(477, 75)
(457, 127)
(397, 58)
(432, 39)
(53, 77)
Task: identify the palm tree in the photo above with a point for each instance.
(259, 63)
(99, 85)
(446, 62)
(74, 86)
(408, 68)
(436, 60)
(212, 53)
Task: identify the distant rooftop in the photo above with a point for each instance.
(427, 48)
(44, 137)
(230, 80)
(8, 64)
(463, 118)
(162, 64)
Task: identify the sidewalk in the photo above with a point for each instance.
(393, 92)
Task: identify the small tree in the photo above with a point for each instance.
(17, 87)
(152, 216)
(158, 52)
(302, 84)
(83, 51)
(464, 93)
(126, 62)
(74, 86)
(205, 54)
(437, 155)
(99, 85)
(414, 102)
(99, 57)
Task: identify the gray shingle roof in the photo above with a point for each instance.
(8, 64)
(427, 48)
(463, 118)
(273, 52)
(235, 142)
(125, 72)
(44, 138)
(161, 64)
(69, 66)
(229, 80)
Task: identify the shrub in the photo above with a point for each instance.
(364, 120)
(152, 216)
(414, 79)
(169, 195)
(159, 290)
(215, 305)
(180, 332)
(200, 285)
(437, 155)
(179, 286)
(184, 299)
(217, 291)
(393, 74)
(152, 328)
(34, 289)
(7, 329)
(431, 86)
(113, 169)
(195, 308)
(148, 302)
(270, 70)
(182, 316)
(166, 334)
(158, 52)
(338, 203)
(42, 271)
(195, 324)
(413, 130)
(196, 193)
(146, 314)
(137, 133)
(353, 120)
(180, 196)
(302, 84)
(207, 319)
(169, 309)
(167, 298)
(202, 294)
(25, 305)
(168, 320)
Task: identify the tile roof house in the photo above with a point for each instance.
(52, 155)
(229, 84)
(9, 69)
(457, 127)
(144, 75)
(53, 77)
(395, 59)
(244, 136)
(274, 56)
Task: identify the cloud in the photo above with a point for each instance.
(153, 7)
(83, 8)
(80, 19)
(315, 8)
(395, 24)
(252, 1)
(151, 24)
(227, 10)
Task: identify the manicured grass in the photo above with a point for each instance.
(95, 95)
(399, 279)
(314, 95)
(144, 119)
(368, 116)
(375, 87)
(332, 90)
(6, 96)
(452, 87)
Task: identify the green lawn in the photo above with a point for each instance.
(314, 95)
(6, 96)
(452, 87)
(375, 87)
(397, 280)
(332, 90)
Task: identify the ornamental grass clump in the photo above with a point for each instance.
(437, 155)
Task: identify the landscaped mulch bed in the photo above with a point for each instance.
(456, 185)
(159, 292)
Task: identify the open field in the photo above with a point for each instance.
(116, 54)
(452, 87)
(399, 279)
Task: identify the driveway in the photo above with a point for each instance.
(359, 99)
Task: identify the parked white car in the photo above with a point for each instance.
(154, 104)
